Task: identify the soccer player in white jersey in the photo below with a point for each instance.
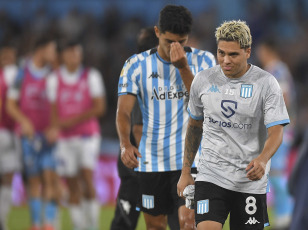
(77, 96)
(267, 52)
(239, 111)
(160, 80)
(10, 160)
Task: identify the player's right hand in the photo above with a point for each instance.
(128, 156)
(185, 180)
(27, 129)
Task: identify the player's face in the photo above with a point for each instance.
(50, 52)
(165, 40)
(232, 59)
(262, 54)
(72, 56)
(7, 56)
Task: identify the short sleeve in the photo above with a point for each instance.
(195, 107)
(136, 115)
(128, 77)
(275, 111)
(206, 60)
(96, 84)
(14, 89)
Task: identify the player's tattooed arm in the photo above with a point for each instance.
(192, 141)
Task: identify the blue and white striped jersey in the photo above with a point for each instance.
(163, 101)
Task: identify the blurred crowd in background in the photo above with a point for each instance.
(108, 31)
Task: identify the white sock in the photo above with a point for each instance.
(6, 203)
(92, 208)
(77, 216)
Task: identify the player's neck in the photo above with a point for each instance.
(72, 68)
(162, 54)
(38, 61)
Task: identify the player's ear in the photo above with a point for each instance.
(248, 52)
(157, 31)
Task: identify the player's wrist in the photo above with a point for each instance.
(186, 170)
(184, 68)
(125, 144)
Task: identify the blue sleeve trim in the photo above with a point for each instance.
(194, 117)
(283, 122)
(266, 224)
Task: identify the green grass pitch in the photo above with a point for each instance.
(19, 219)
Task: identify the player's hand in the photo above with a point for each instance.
(185, 180)
(178, 55)
(128, 156)
(52, 134)
(256, 169)
(27, 129)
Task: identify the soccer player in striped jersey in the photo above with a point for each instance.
(10, 160)
(126, 216)
(28, 106)
(160, 80)
(239, 110)
(267, 52)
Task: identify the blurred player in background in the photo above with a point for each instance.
(77, 95)
(267, 52)
(28, 106)
(239, 110)
(10, 160)
(160, 79)
(126, 215)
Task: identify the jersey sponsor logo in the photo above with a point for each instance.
(168, 95)
(202, 206)
(147, 201)
(123, 85)
(233, 125)
(154, 75)
(229, 111)
(214, 89)
(252, 221)
(246, 91)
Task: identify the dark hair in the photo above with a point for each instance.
(175, 19)
(66, 44)
(42, 41)
(146, 39)
(270, 43)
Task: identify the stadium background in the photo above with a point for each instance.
(108, 31)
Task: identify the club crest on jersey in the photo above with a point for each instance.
(246, 91)
(147, 201)
(202, 206)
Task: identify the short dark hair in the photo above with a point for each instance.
(43, 41)
(270, 43)
(175, 19)
(148, 40)
(68, 43)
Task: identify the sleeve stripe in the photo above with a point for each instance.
(194, 117)
(126, 93)
(282, 122)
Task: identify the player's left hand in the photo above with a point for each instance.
(256, 169)
(178, 55)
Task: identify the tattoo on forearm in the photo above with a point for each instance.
(192, 142)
